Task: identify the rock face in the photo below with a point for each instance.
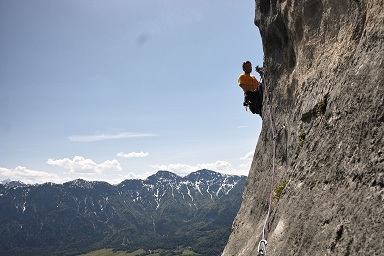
(325, 74)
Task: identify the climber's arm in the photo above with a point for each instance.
(246, 87)
(248, 83)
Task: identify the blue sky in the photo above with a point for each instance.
(114, 90)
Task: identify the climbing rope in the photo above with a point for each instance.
(262, 247)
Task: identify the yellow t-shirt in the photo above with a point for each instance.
(248, 80)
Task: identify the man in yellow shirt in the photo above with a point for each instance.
(247, 81)
(251, 87)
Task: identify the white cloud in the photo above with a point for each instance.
(30, 176)
(100, 137)
(133, 154)
(118, 179)
(132, 176)
(248, 156)
(184, 169)
(85, 166)
(110, 165)
(219, 166)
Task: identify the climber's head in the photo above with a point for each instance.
(247, 66)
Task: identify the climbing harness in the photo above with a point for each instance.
(253, 100)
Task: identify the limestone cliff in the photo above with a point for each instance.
(325, 73)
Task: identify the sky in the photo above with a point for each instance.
(120, 89)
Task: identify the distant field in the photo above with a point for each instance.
(189, 252)
(109, 252)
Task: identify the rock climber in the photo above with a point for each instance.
(251, 87)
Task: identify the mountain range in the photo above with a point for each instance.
(163, 211)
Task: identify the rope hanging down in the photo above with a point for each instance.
(262, 247)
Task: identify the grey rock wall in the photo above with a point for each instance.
(325, 73)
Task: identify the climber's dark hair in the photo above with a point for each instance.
(245, 62)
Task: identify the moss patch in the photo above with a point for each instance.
(302, 138)
(321, 107)
(279, 190)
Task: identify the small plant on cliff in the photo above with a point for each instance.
(260, 70)
(321, 106)
(302, 138)
(279, 190)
